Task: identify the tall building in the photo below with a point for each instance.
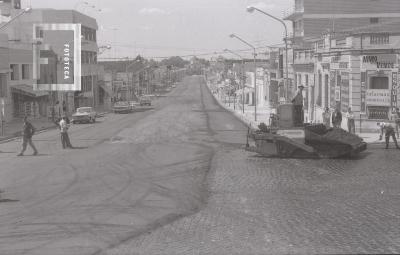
(20, 37)
(313, 18)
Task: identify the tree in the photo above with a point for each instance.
(175, 61)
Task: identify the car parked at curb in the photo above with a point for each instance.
(145, 100)
(84, 115)
(122, 107)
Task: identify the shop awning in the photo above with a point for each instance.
(27, 90)
(106, 89)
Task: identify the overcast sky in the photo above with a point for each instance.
(159, 28)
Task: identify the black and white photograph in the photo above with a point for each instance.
(191, 127)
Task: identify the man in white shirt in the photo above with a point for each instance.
(64, 133)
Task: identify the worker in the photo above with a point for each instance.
(326, 117)
(298, 107)
(388, 129)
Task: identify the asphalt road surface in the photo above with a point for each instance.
(176, 180)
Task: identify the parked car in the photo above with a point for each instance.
(122, 107)
(84, 114)
(145, 100)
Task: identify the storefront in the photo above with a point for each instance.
(379, 86)
(27, 102)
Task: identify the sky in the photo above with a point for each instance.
(162, 28)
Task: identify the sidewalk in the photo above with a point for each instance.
(14, 128)
(263, 113)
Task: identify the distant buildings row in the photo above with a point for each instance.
(345, 52)
(102, 83)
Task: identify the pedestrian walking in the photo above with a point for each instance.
(28, 130)
(298, 107)
(388, 129)
(351, 126)
(397, 121)
(326, 117)
(337, 118)
(64, 126)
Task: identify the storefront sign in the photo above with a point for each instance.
(344, 91)
(394, 92)
(337, 93)
(384, 61)
(378, 97)
(363, 91)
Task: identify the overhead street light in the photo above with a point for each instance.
(242, 75)
(251, 9)
(255, 72)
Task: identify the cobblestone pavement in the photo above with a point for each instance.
(177, 181)
(286, 206)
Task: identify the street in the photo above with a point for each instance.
(176, 180)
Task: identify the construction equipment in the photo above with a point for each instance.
(309, 141)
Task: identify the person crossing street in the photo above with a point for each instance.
(28, 131)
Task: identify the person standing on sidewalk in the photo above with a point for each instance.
(64, 133)
(351, 126)
(27, 132)
(337, 118)
(298, 107)
(389, 132)
(326, 117)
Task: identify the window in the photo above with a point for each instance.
(25, 71)
(380, 82)
(374, 20)
(14, 72)
(379, 39)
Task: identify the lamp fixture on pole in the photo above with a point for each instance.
(251, 9)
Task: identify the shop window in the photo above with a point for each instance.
(25, 71)
(374, 20)
(378, 112)
(14, 72)
(379, 82)
(379, 39)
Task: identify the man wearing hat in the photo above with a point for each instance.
(298, 107)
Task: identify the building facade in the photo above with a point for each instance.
(20, 86)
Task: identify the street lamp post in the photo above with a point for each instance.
(102, 48)
(255, 72)
(252, 9)
(241, 75)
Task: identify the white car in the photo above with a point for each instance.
(84, 114)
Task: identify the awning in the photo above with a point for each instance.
(27, 90)
(106, 89)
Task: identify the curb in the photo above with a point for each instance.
(235, 114)
(17, 135)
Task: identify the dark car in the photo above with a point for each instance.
(145, 100)
(122, 107)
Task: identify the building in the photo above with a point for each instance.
(313, 18)
(359, 69)
(20, 37)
